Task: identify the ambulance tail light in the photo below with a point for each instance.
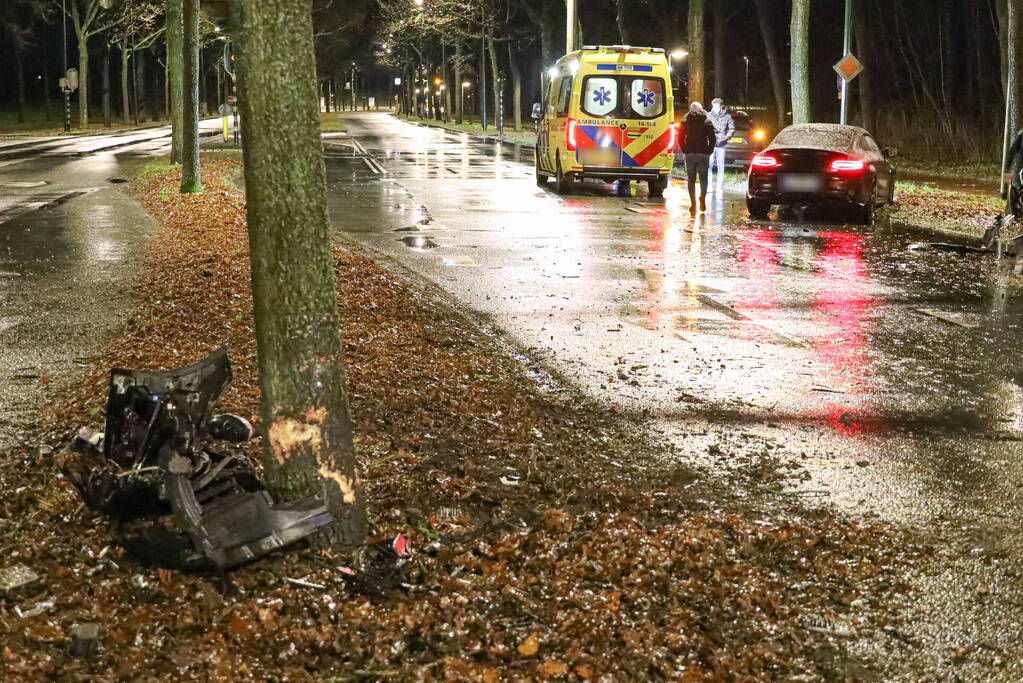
(672, 136)
(570, 130)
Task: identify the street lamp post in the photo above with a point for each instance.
(570, 11)
(461, 97)
(745, 91)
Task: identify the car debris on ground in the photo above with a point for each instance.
(156, 458)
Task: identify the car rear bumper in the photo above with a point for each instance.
(836, 192)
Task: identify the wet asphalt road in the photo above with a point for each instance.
(68, 240)
(888, 373)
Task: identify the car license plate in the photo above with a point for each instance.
(737, 141)
(796, 182)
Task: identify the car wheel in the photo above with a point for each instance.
(758, 209)
(624, 188)
(657, 187)
(565, 181)
(864, 215)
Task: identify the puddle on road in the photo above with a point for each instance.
(419, 242)
(24, 183)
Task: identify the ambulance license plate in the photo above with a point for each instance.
(800, 182)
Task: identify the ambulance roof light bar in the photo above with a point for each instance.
(624, 48)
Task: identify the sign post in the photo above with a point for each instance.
(849, 68)
(68, 84)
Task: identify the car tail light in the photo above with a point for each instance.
(672, 136)
(846, 165)
(764, 161)
(570, 134)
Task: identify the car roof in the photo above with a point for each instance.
(829, 136)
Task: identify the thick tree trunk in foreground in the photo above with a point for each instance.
(308, 445)
(174, 36)
(697, 61)
(800, 40)
(1013, 17)
(773, 62)
(190, 181)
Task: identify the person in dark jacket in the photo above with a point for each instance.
(698, 141)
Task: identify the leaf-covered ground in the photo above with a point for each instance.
(927, 205)
(611, 560)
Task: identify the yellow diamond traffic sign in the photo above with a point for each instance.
(849, 67)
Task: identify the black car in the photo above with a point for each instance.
(822, 164)
(746, 141)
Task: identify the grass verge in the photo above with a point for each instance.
(609, 558)
(925, 205)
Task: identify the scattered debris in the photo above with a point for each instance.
(301, 583)
(944, 317)
(946, 246)
(16, 576)
(37, 609)
(511, 480)
(379, 567)
(153, 459)
(829, 626)
(42, 451)
(84, 640)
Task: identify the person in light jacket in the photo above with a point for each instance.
(724, 128)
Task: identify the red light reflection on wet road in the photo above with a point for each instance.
(842, 314)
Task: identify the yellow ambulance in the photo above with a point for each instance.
(608, 113)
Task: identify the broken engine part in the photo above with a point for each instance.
(154, 459)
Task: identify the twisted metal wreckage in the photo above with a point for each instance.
(156, 457)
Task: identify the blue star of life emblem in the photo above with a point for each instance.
(602, 96)
(646, 97)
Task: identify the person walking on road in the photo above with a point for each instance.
(724, 128)
(698, 140)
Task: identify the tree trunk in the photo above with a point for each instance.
(865, 52)
(720, 8)
(83, 80)
(773, 62)
(175, 64)
(125, 102)
(142, 106)
(459, 103)
(799, 37)
(496, 78)
(46, 89)
(20, 68)
(623, 28)
(105, 83)
(697, 66)
(190, 180)
(1012, 64)
(308, 441)
(516, 75)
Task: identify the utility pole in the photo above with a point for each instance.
(64, 88)
(570, 13)
(846, 49)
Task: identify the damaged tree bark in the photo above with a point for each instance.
(307, 429)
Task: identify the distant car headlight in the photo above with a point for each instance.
(759, 135)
